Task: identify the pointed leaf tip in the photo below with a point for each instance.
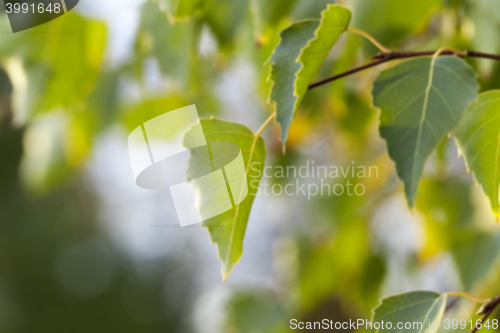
(478, 138)
(421, 101)
(303, 47)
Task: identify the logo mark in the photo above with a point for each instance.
(205, 179)
(26, 14)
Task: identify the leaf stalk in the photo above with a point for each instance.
(370, 38)
(266, 123)
(469, 296)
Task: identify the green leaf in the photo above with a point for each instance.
(147, 109)
(447, 206)
(303, 47)
(306, 9)
(272, 11)
(181, 9)
(421, 101)
(251, 311)
(416, 308)
(61, 68)
(475, 255)
(225, 17)
(76, 61)
(485, 14)
(389, 21)
(171, 44)
(478, 136)
(228, 229)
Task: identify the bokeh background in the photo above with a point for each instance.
(83, 249)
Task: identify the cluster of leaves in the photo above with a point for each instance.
(422, 101)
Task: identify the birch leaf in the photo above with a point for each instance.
(297, 58)
(417, 308)
(478, 136)
(421, 101)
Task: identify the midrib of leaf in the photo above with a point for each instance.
(408, 306)
(235, 218)
(429, 312)
(422, 119)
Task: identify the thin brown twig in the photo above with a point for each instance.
(486, 310)
(349, 72)
(466, 53)
(381, 58)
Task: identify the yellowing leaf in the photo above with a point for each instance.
(303, 48)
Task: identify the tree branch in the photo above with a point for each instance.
(349, 72)
(381, 58)
(486, 310)
(468, 54)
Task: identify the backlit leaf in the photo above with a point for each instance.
(228, 229)
(478, 136)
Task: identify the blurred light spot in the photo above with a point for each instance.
(15, 70)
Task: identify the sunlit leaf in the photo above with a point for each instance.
(148, 109)
(180, 9)
(421, 101)
(298, 57)
(417, 308)
(59, 61)
(75, 61)
(478, 136)
(228, 229)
